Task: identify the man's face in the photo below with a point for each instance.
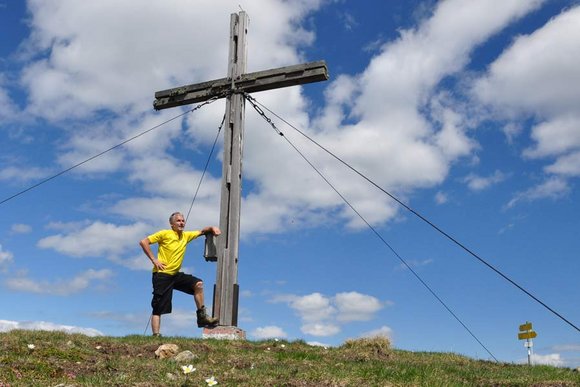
(178, 223)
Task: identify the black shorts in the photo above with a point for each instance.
(163, 285)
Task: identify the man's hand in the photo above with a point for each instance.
(158, 265)
(211, 230)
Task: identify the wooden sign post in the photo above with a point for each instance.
(526, 333)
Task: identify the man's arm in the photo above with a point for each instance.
(146, 246)
(211, 230)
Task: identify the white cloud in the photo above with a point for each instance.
(179, 320)
(552, 359)
(354, 306)
(555, 137)
(390, 97)
(21, 228)
(85, 68)
(7, 326)
(323, 316)
(313, 307)
(318, 344)
(566, 166)
(61, 287)
(71, 47)
(537, 77)
(23, 173)
(267, 332)
(536, 74)
(553, 188)
(97, 240)
(479, 183)
(83, 65)
(320, 329)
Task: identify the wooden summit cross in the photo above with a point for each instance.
(225, 302)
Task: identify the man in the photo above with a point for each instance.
(166, 270)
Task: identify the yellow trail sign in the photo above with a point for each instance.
(526, 327)
(527, 335)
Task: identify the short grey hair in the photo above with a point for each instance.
(173, 216)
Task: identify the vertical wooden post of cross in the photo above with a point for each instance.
(226, 291)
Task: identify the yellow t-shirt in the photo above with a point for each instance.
(172, 248)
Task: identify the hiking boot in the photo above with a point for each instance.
(203, 320)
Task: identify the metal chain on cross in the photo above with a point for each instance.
(252, 102)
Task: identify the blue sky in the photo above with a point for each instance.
(466, 110)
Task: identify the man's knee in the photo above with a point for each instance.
(198, 286)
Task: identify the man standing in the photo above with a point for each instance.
(166, 270)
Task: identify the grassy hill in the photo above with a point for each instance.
(40, 358)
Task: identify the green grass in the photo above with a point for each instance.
(78, 360)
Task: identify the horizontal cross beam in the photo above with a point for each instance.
(249, 83)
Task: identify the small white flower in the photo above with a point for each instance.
(211, 381)
(276, 340)
(267, 349)
(98, 347)
(283, 346)
(188, 369)
(31, 346)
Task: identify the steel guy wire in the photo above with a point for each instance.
(206, 165)
(252, 102)
(106, 151)
(434, 226)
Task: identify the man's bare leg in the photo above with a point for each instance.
(198, 295)
(203, 320)
(155, 324)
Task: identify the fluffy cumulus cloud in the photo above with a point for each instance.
(536, 78)
(323, 316)
(396, 115)
(7, 326)
(268, 332)
(114, 242)
(354, 306)
(22, 174)
(552, 359)
(72, 76)
(480, 183)
(60, 287)
(96, 240)
(390, 114)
